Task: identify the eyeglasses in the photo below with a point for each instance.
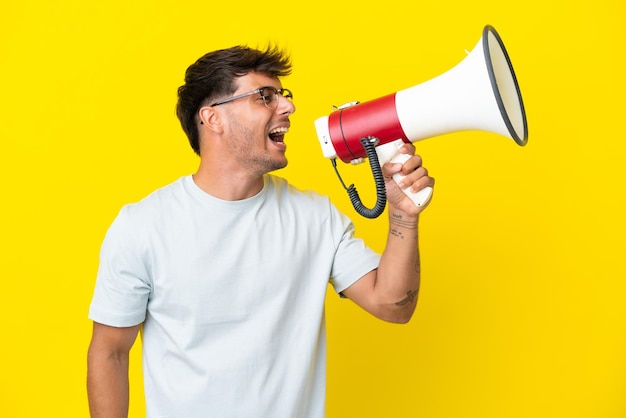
(268, 94)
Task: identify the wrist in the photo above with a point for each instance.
(400, 219)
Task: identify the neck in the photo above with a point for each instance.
(227, 186)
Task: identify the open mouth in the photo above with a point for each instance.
(278, 134)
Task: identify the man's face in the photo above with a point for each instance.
(256, 127)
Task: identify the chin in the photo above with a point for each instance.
(280, 165)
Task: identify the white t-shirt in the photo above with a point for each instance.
(231, 296)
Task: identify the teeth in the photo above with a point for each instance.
(279, 131)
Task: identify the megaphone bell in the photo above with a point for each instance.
(480, 93)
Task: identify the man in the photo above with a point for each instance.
(226, 271)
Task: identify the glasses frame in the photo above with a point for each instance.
(277, 92)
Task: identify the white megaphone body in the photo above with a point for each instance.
(479, 93)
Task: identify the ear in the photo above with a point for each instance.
(210, 119)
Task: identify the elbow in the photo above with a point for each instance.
(399, 316)
(401, 312)
(402, 319)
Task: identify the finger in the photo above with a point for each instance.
(420, 175)
(412, 164)
(421, 183)
(389, 169)
(407, 148)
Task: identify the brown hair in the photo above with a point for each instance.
(213, 76)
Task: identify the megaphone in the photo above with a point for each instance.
(480, 93)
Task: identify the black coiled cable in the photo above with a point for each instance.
(369, 144)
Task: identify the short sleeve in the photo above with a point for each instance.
(122, 286)
(353, 258)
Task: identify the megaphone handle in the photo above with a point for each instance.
(420, 197)
(389, 153)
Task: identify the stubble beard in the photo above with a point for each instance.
(258, 162)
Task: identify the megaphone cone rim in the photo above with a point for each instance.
(520, 140)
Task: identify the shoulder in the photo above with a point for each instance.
(284, 189)
(307, 205)
(152, 209)
(163, 196)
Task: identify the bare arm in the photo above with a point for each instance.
(390, 292)
(107, 370)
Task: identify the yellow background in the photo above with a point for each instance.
(522, 311)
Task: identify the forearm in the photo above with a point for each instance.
(398, 277)
(390, 292)
(107, 385)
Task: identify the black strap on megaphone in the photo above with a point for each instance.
(369, 143)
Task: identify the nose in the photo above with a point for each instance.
(285, 106)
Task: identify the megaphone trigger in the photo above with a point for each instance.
(389, 153)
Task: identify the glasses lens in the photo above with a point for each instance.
(287, 94)
(269, 95)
